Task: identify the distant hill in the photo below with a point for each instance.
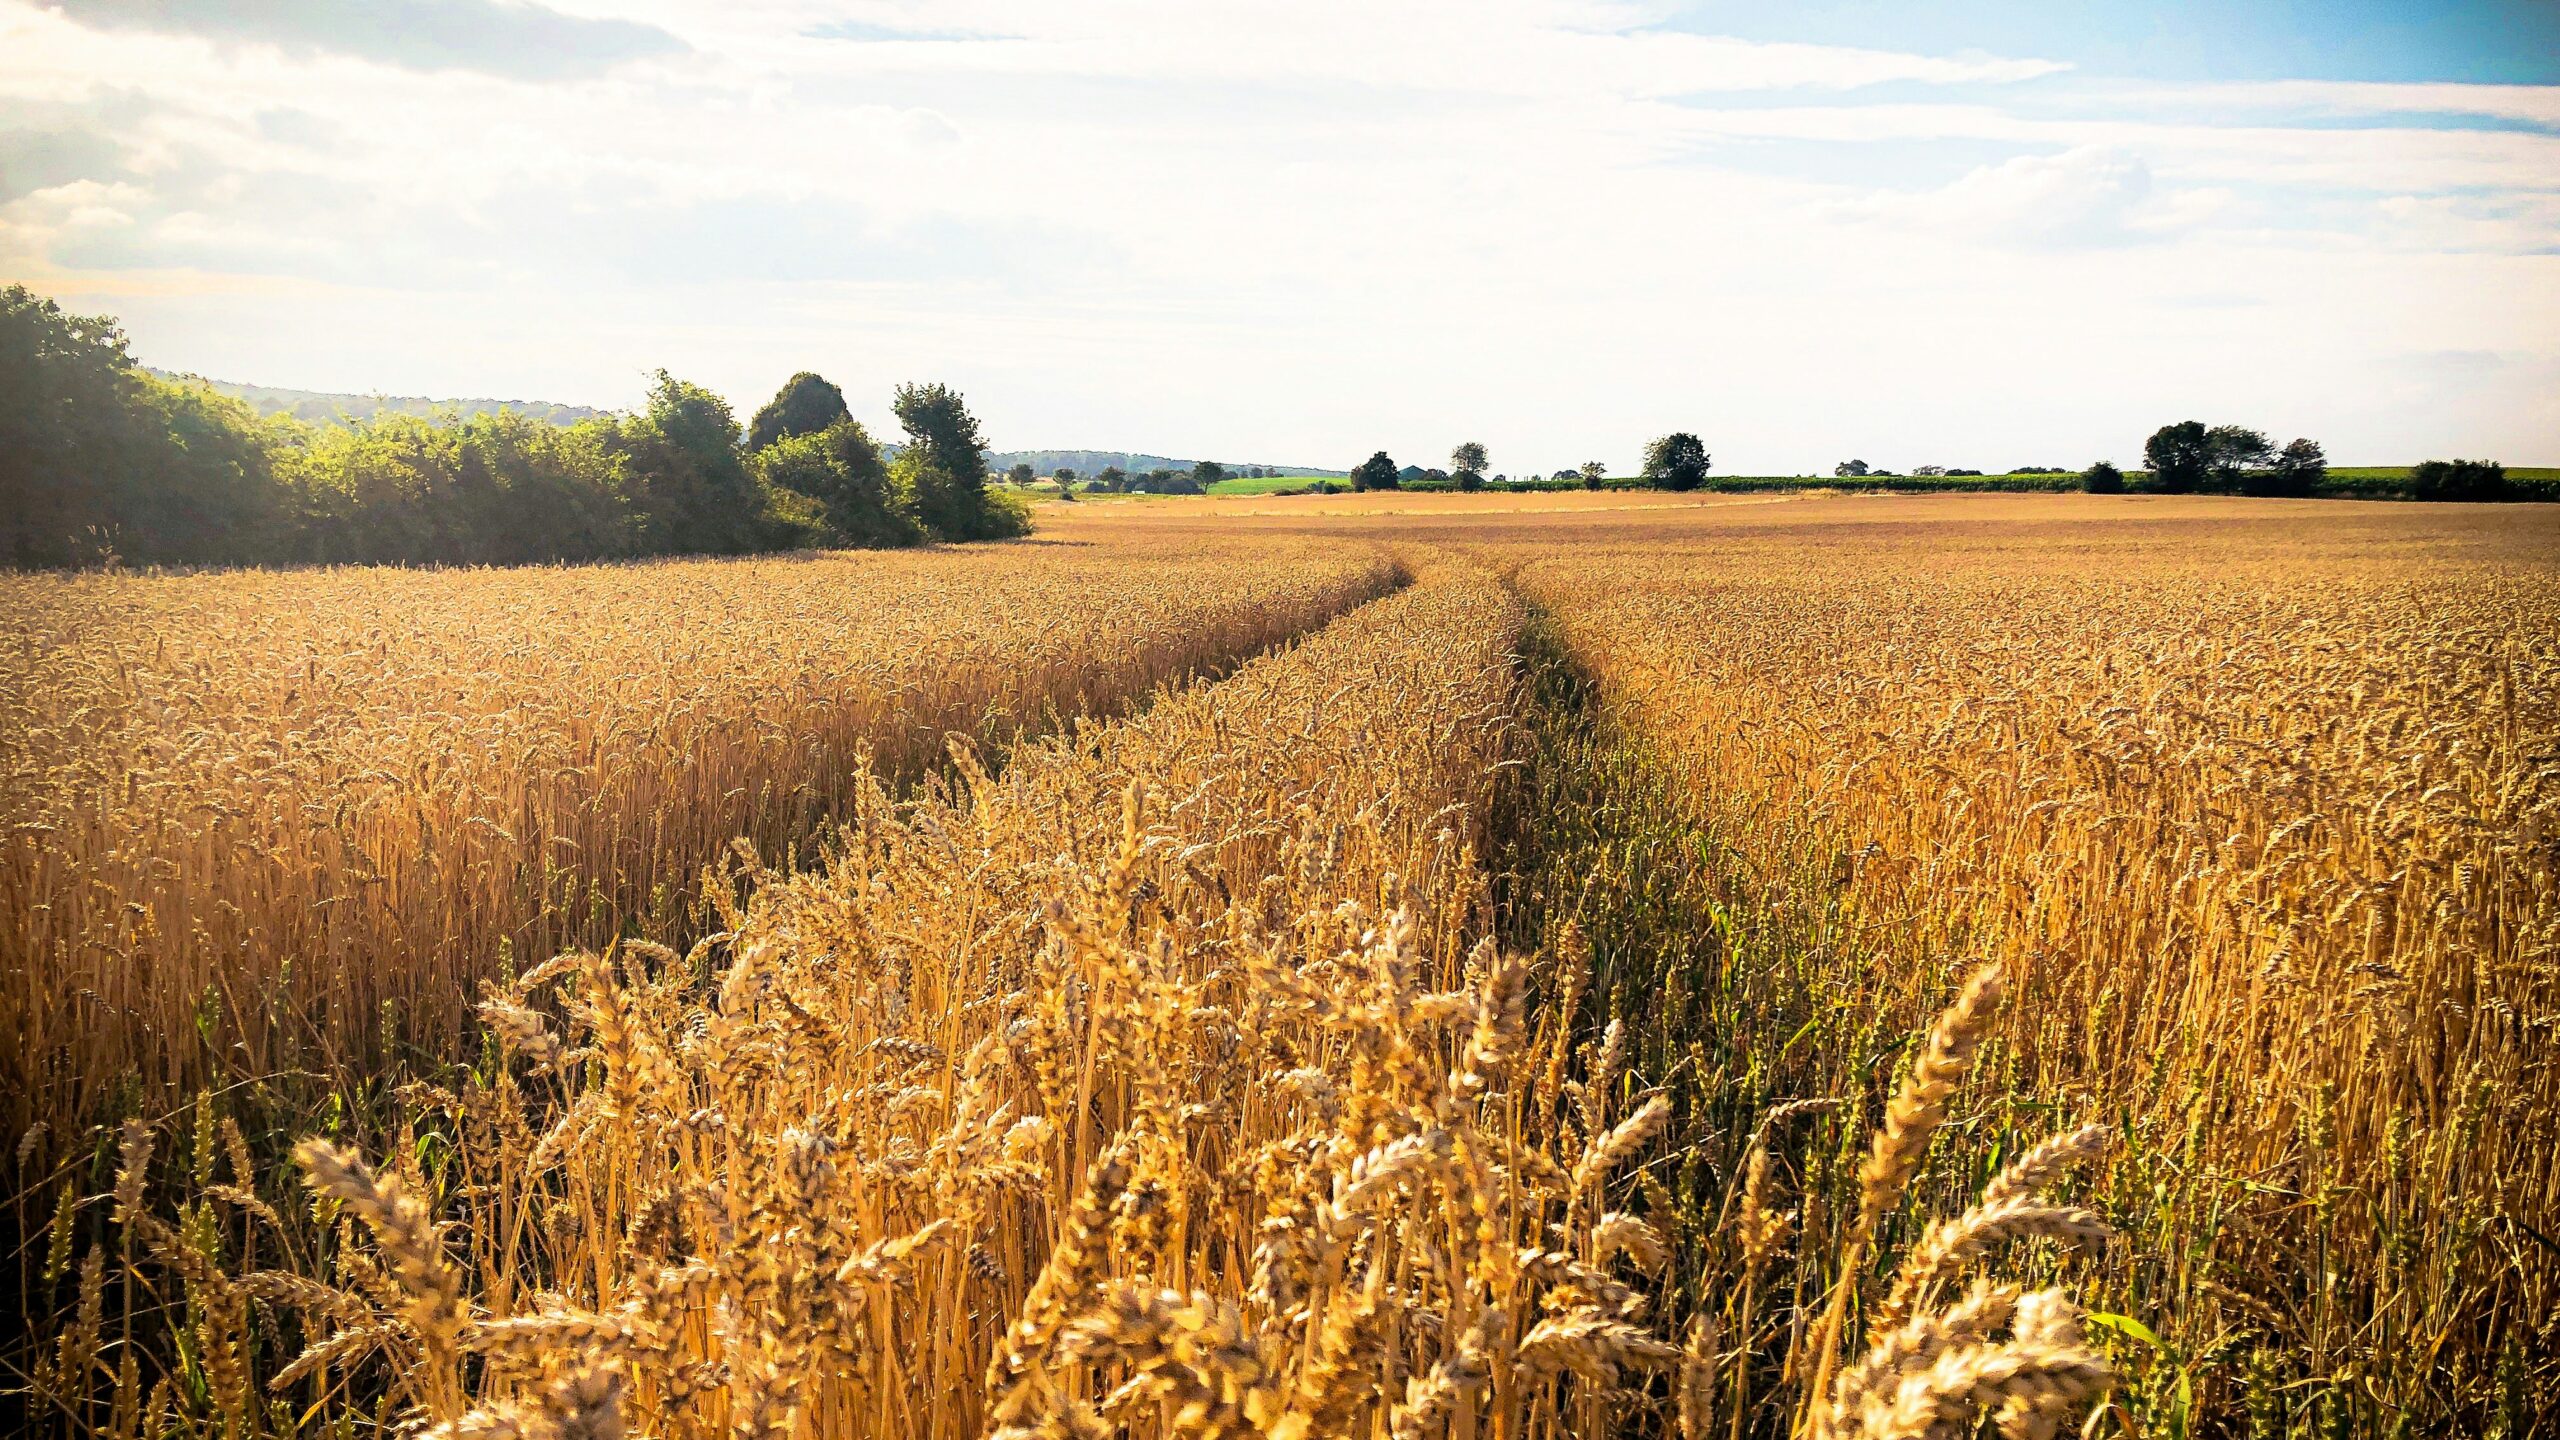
(322, 408)
(1089, 463)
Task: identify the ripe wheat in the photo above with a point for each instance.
(251, 822)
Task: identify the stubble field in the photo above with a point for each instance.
(1416, 965)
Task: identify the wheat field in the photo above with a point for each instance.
(1742, 968)
(261, 822)
(2263, 833)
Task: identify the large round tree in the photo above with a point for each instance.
(806, 404)
(1677, 461)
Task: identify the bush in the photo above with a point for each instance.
(2460, 480)
(100, 460)
(495, 489)
(839, 472)
(2102, 478)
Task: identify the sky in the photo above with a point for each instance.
(1906, 231)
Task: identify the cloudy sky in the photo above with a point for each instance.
(1913, 231)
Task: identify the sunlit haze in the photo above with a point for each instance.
(1978, 235)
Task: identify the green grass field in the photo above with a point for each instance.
(1268, 483)
(2345, 482)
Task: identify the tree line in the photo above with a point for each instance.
(1114, 480)
(101, 462)
(2191, 457)
(1678, 461)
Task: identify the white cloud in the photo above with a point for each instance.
(1300, 232)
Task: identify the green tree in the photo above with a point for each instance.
(688, 480)
(1467, 465)
(1849, 469)
(2235, 451)
(493, 489)
(805, 405)
(1208, 473)
(1112, 478)
(98, 458)
(1375, 473)
(944, 466)
(840, 470)
(2102, 478)
(68, 394)
(2179, 456)
(2297, 470)
(2460, 480)
(1022, 474)
(1594, 474)
(1677, 461)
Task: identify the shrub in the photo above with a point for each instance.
(2460, 480)
(2102, 478)
(838, 470)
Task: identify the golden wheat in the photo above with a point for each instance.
(1168, 1082)
(2259, 806)
(250, 822)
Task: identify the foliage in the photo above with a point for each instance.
(2297, 470)
(2102, 478)
(2460, 480)
(1677, 461)
(491, 489)
(840, 469)
(1467, 465)
(1594, 474)
(100, 461)
(805, 405)
(2234, 451)
(2179, 456)
(1162, 481)
(943, 466)
(1375, 473)
(689, 478)
(1848, 469)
